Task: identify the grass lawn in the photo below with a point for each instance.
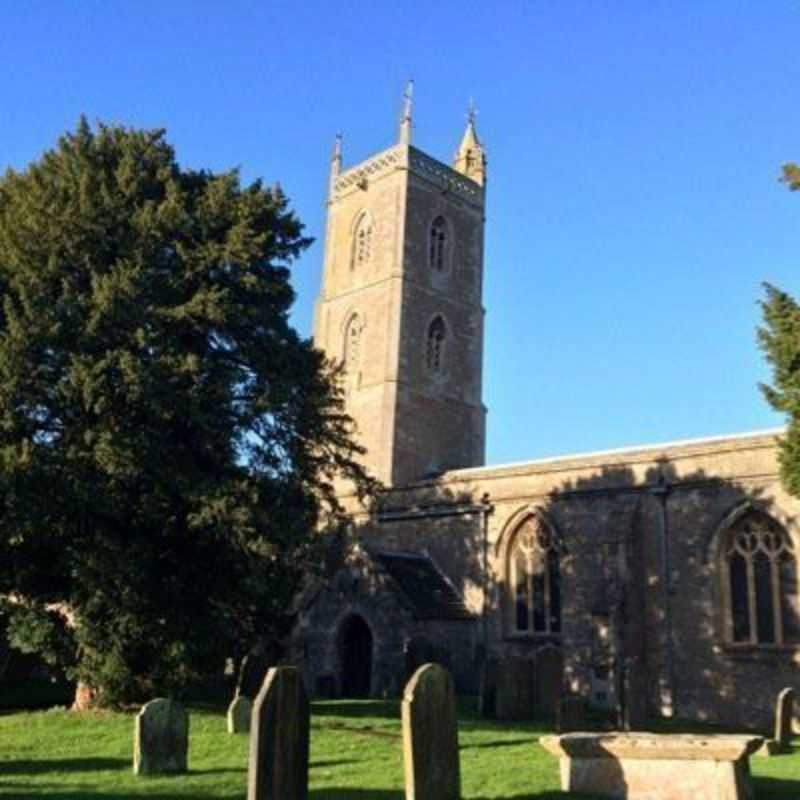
(356, 754)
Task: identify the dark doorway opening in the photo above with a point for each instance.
(356, 657)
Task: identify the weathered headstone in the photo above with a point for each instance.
(782, 733)
(634, 696)
(571, 714)
(784, 713)
(548, 682)
(418, 650)
(325, 687)
(515, 693)
(239, 713)
(253, 671)
(430, 736)
(161, 740)
(487, 694)
(279, 734)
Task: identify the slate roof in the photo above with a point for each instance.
(428, 591)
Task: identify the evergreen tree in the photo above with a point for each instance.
(791, 176)
(168, 443)
(779, 338)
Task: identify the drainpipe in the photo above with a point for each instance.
(488, 508)
(661, 491)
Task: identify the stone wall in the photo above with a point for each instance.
(361, 589)
(413, 421)
(611, 512)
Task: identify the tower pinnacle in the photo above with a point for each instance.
(336, 161)
(405, 119)
(470, 158)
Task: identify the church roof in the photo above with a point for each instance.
(647, 450)
(429, 592)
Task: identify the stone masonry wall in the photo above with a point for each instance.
(601, 505)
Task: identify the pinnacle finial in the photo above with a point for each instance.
(472, 112)
(336, 161)
(470, 158)
(405, 119)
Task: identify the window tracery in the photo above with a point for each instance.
(437, 245)
(534, 579)
(760, 581)
(434, 352)
(362, 242)
(352, 345)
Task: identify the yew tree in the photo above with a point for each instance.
(779, 338)
(168, 442)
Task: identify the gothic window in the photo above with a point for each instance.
(534, 573)
(437, 245)
(352, 345)
(759, 570)
(362, 241)
(434, 352)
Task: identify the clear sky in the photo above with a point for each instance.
(634, 149)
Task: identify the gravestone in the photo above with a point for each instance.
(571, 714)
(279, 734)
(633, 714)
(487, 694)
(430, 736)
(549, 678)
(239, 713)
(161, 739)
(515, 694)
(325, 687)
(784, 714)
(418, 650)
(253, 672)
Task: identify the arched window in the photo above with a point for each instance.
(362, 241)
(759, 572)
(437, 245)
(434, 352)
(534, 579)
(352, 345)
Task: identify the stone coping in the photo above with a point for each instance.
(652, 746)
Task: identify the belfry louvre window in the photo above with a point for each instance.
(434, 351)
(535, 579)
(437, 246)
(352, 344)
(760, 573)
(362, 242)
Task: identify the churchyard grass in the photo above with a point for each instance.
(356, 754)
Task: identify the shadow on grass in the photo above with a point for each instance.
(390, 794)
(361, 730)
(43, 766)
(356, 794)
(765, 788)
(333, 763)
(212, 771)
(355, 709)
(499, 743)
(84, 794)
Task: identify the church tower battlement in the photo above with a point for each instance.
(400, 303)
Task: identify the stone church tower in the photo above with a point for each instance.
(400, 304)
(651, 581)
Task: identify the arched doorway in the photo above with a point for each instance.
(355, 657)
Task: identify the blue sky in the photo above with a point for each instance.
(634, 149)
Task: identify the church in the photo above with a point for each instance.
(664, 575)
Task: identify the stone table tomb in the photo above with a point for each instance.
(649, 766)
